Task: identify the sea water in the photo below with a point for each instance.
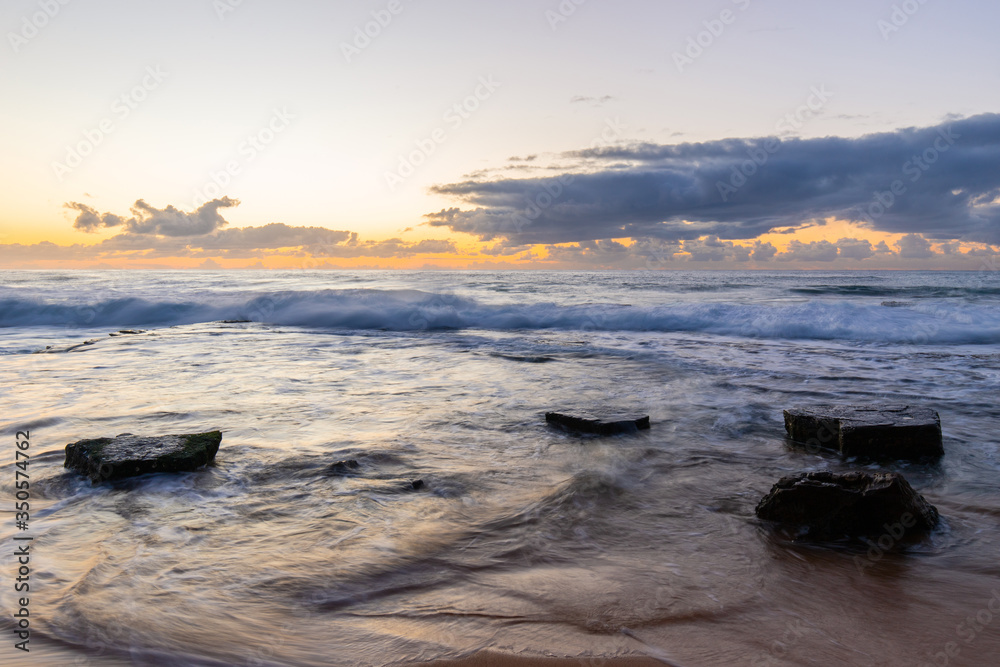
(522, 538)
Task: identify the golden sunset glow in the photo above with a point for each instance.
(387, 155)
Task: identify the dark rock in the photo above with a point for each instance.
(417, 484)
(127, 455)
(51, 349)
(235, 321)
(828, 506)
(897, 304)
(128, 332)
(347, 467)
(873, 431)
(611, 426)
(526, 360)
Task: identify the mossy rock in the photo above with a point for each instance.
(127, 455)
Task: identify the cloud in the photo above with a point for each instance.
(942, 182)
(274, 235)
(235, 242)
(764, 252)
(12, 253)
(654, 254)
(608, 254)
(593, 101)
(272, 239)
(147, 219)
(815, 251)
(170, 232)
(913, 246)
(389, 248)
(89, 220)
(855, 249)
(658, 254)
(711, 249)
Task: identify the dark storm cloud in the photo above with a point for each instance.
(942, 182)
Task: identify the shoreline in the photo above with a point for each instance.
(489, 658)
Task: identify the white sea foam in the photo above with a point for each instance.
(413, 310)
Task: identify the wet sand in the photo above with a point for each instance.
(492, 659)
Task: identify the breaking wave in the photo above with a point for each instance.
(412, 310)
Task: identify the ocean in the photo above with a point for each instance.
(522, 539)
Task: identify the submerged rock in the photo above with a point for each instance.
(827, 506)
(52, 349)
(878, 432)
(127, 455)
(611, 426)
(391, 486)
(348, 467)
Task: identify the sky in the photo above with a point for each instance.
(527, 134)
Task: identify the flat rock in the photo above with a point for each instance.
(871, 431)
(127, 455)
(598, 426)
(829, 506)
